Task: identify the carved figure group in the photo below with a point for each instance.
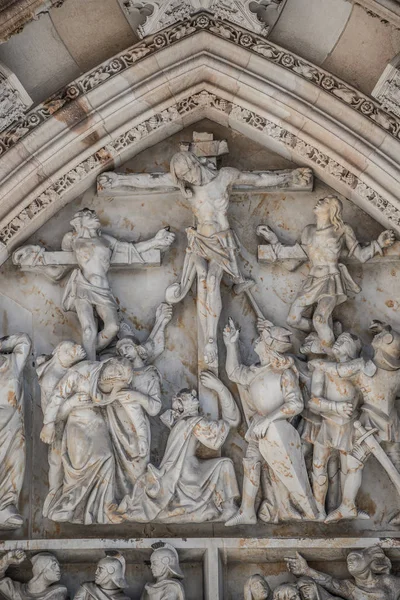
(109, 579)
(311, 424)
(371, 579)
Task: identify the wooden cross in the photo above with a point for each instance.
(207, 150)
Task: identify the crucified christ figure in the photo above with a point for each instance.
(212, 244)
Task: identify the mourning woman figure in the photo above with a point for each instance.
(257, 588)
(164, 564)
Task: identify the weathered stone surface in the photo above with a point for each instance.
(15, 14)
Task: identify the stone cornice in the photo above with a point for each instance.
(17, 13)
(272, 53)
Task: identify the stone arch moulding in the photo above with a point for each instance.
(203, 68)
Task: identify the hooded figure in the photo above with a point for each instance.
(185, 488)
(164, 564)
(109, 580)
(370, 571)
(44, 584)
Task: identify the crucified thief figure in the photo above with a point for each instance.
(212, 245)
(328, 282)
(88, 291)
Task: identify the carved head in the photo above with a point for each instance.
(46, 566)
(186, 403)
(386, 346)
(165, 561)
(308, 588)
(129, 348)
(347, 347)
(85, 219)
(286, 591)
(69, 353)
(272, 340)
(312, 346)
(187, 168)
(257, 588)
(370, 559)
(110, 572)
(116, 373)
(332, 207)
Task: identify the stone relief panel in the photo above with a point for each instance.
(140, 432)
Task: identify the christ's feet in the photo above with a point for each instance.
(242, 518)
(210, 351)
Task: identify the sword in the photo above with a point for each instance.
(369, 439)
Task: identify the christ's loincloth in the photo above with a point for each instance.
(221, 247)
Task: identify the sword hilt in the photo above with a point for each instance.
(365, 433)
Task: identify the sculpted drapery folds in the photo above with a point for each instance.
(95, 402)
(271, 396)
(88, 290)
(328, 284)
(14, 353)
(184, 488)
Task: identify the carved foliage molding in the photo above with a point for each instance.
(103, 157)
(235, 34)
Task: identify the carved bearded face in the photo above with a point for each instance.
(186, 403)
(86, 219)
